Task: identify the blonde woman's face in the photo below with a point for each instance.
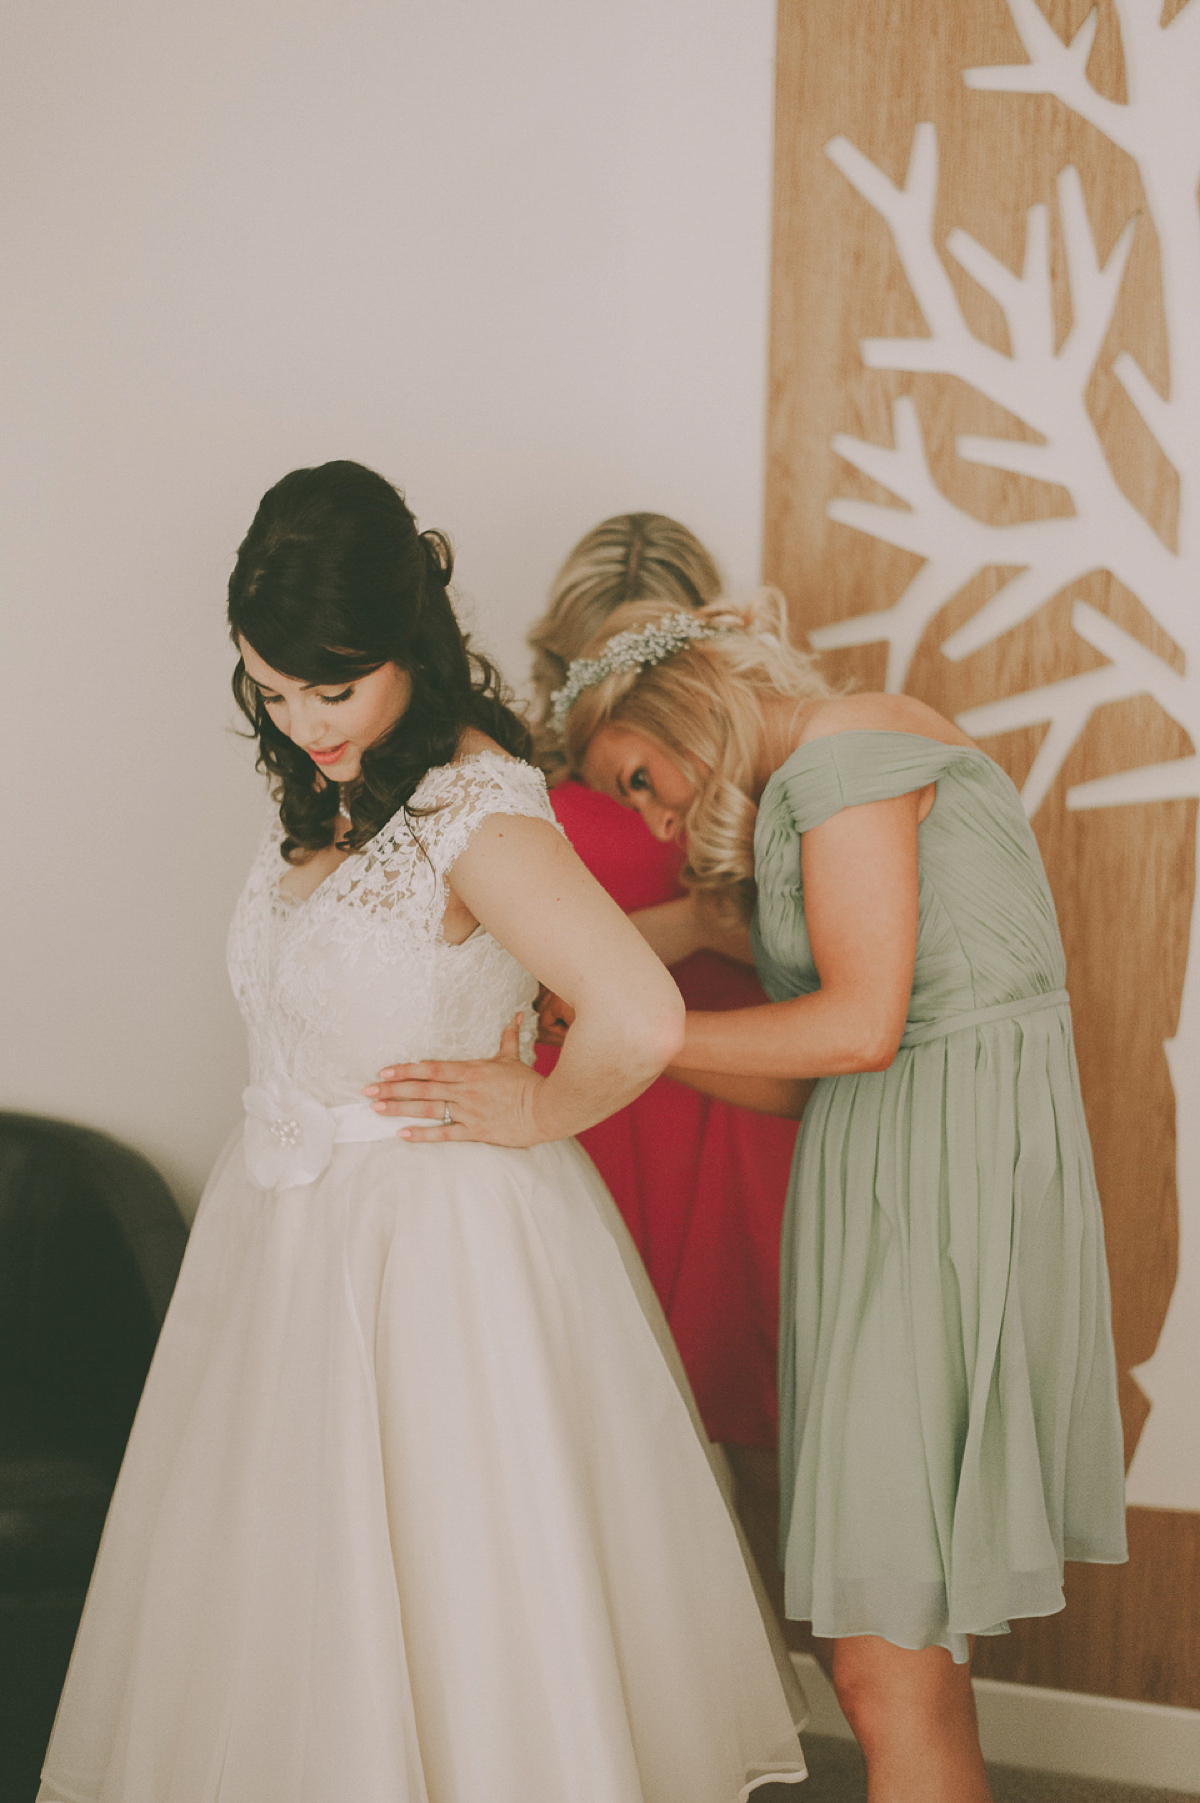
(637, 772)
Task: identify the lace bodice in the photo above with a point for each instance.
(359, 975)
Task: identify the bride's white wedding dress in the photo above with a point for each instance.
(414, 1510)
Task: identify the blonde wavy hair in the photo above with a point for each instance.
(705, 705)
(630, 557)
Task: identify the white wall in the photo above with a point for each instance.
(515, 257)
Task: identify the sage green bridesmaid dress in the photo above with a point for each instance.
(949, 1430)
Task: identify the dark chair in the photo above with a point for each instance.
(90, 1245)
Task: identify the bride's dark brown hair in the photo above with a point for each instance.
(332, 580)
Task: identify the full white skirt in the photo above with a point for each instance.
(414, 1511)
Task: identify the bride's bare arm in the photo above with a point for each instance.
(520, 879)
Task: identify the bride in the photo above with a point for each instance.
(414, 1509)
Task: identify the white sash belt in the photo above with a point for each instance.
(355, 1121)
(290, 1136)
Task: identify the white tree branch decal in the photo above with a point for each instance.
(1045, 389)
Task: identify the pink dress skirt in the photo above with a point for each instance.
(701, 1184)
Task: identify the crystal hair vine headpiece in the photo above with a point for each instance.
(632, 650)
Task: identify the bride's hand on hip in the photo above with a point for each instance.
(489, 1099)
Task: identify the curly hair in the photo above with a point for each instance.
(630, 557)
(705, 706)
(332, 581)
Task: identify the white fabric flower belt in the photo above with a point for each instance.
(290, 1136)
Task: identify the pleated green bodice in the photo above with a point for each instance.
(987, 931)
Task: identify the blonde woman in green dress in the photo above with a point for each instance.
(949, 1425)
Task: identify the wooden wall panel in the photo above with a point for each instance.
(1123, 877)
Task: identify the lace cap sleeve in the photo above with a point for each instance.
(464, 795)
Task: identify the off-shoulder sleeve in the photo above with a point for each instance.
(849, 769)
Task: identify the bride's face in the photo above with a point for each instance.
(637, 772)
(333, 722)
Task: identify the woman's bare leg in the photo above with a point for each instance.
(914, 1716)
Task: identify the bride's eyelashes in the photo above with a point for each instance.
(639, 780)
(329, 700)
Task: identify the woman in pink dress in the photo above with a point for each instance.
(701, 1184)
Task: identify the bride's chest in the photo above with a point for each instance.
(294, 927)
(364, 941)
(428, 903)
(298, 882)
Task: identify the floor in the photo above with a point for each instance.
(837, 1775)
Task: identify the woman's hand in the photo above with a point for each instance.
(678, 928)
(671, 929)
(728, 937)
(554, 1017)
(489, 1099)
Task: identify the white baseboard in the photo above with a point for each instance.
(1108, 1738)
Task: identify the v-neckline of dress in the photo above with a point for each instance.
(298, 904)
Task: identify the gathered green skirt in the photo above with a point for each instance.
(949, 1430)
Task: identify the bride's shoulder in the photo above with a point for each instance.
(480, 765)
(481, 779)
(475, 743)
